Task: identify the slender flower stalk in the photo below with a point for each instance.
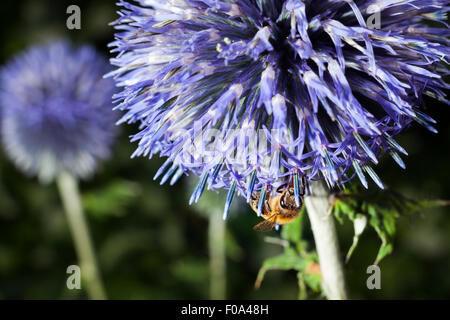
(68, 189)
(327, 244)
(217, 256)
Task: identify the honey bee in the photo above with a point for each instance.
(278, 209)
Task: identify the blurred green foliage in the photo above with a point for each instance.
(380, 209)
(152, 245)
(296, 257)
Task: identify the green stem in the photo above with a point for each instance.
(68, 188)
(217, 259)
(327, 245)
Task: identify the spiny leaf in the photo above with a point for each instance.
(289, 260)
(382, 208)
(359, 223)
(385, 249)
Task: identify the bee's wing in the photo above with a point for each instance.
(265, 226)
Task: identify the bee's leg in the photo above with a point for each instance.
(267, 206)
(303, 186)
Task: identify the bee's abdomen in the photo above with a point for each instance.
(287, 217)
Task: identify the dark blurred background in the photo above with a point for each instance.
(152, 245)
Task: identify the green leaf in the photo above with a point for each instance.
(289, 260)
(190, 270)
(389, 223)
(302, 292)
(293, 231)
(382, 208)
(385, 249)
(346, 208)
(338, 212)
(314, 281)
(359, 224)
(110, 200)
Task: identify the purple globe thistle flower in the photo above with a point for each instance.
(56, 113)
(290, 88)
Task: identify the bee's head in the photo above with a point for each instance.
(287, 200)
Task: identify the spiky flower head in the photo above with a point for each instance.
(56, 110)
(249, 94)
